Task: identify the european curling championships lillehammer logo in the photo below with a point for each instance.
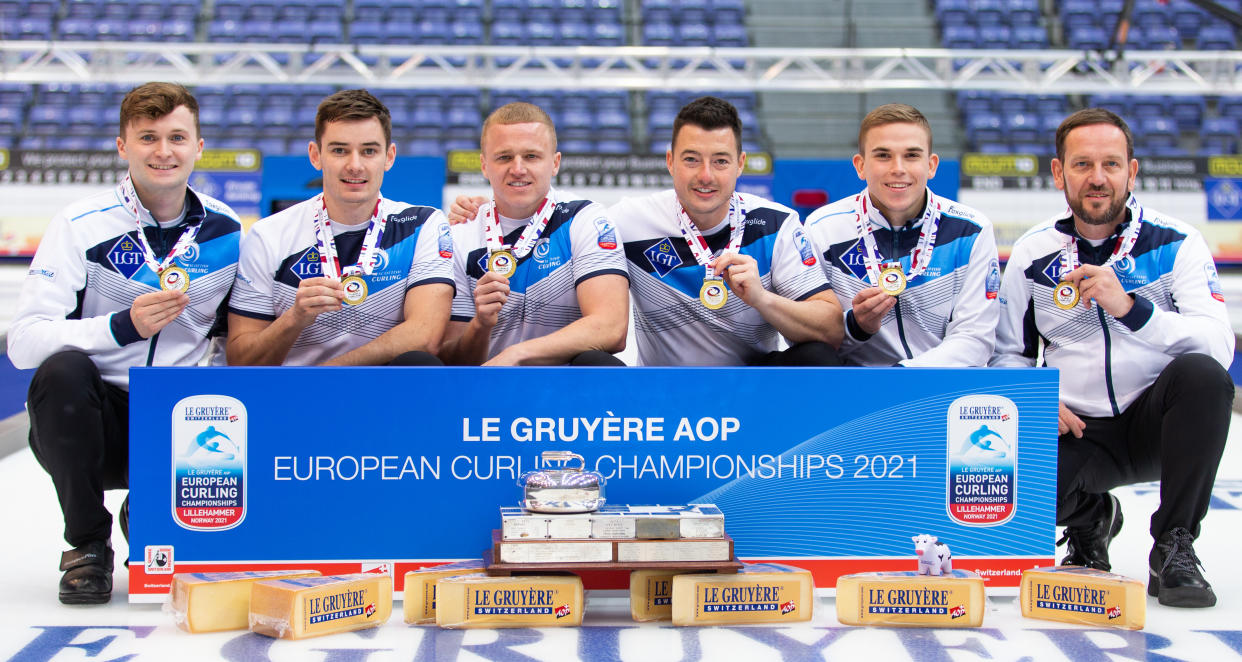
(209, 462)
(981, 487)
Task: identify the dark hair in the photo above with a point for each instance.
(155, 100)
(518, 112)
(1087, 117)
(709, 114)
(893, 113)
(352, 106)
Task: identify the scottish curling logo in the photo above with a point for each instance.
(209, 462)
(982, 442)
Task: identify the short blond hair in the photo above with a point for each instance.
(893, 113)
(518, 112)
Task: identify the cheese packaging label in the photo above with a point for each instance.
(312, 606)
(420, 588)
(215, 601)
(1074, 594)
(955, 599)
(509, 602)
(760, 593)
(651, 594)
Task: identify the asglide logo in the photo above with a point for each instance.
(209, 462)
(982, 443)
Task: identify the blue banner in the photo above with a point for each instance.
(409, 465)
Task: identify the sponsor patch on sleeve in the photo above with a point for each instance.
(1213, 282)
(606, 235)
(445, 241)
(992, 285)
(805, 250)
(42, 272)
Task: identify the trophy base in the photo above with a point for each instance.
(592, 556)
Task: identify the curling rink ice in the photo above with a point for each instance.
(35, 626)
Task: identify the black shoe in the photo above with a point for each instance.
(125, 518)
(1088, 545)
(88, 574)
(1174, 569)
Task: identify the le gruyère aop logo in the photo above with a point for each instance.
(209, 462)
(982, 448)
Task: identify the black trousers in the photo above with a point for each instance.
(803, 354)
(1175, 432)
(79, 432)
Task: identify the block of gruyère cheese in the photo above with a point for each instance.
(952, 600)
(311, 606)
(215, 601)
(420, 588)
(1074, 594)
(651, 593)
(760, 593)
(509, 602)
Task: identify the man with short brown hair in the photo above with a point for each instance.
(133, 276)
(1126, 303)
(347, 277)
(920, 271)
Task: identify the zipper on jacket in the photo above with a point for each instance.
(151, 348)
(1108, 361)
(901, 328)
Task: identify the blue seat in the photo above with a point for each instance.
(1220, 128)
(989, 12)
(272, 146)
(11, 118)
(540, 34)
(366, 32)
(660, 120)
(1230, 107)
(1217, 39)
(108, 29)
(82, 9)
(1023, 128)
(985, 127)
(608, 34)
(77, 29)
(1088, 38)
(954, 12)
(327, 13)
(1008, 104)
(1187, 111)
(694, 34)
(370, 11)
(1187, 18)
(995, 37)
(1159, 38)
(729, 35)
(421, 147)
(1158, 131)
(1151, 13)
(182, 10)
(1149, 106)
(225, 31)
(34, 28)
(508, 34)
(177, 30)
(573, 33)
(262, 11)
(1022, 12)
(141, 30)
(46, 120)
(613, 147)
(257, 31)
(577, 146)
(325, 31)
(970, 102)
(993, 148)
(1049, 104)
(1030, 37)
(659, 34)
(230, 10)
(961, 36)
(1119, 104)
(1077, 14)
(36, 8)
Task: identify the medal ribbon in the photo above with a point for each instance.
(920, 258)
(698, 245)
(130, 197)
(1121, 250)
(329, 262)
(496, 236)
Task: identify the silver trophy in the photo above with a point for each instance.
(564, 490)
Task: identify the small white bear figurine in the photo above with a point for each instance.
(934, 556)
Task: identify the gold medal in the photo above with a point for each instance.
(502, 263)
(355, 289)
(174, 278)
(892, 281)
(1065, 295)
(713, 293)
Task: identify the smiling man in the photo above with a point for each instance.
(717, 274)
(919, 270)
(347, 277)
(541, 277)
(133, 276)
(1127, 305)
